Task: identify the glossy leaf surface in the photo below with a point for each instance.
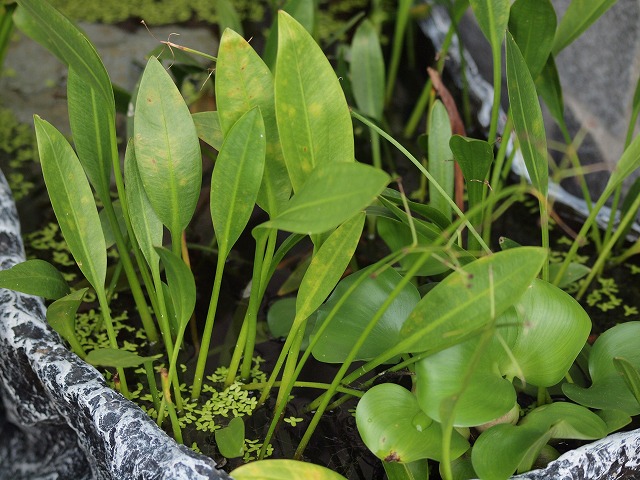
(553, 329)
(244, 82)
(394, 428)
(345, 328)
(567, 420)
(481, 397)
(609, 389)
(367, 71)
(72, 201)
(533, 26)
(167, 148)
(332, 194)
(283, 470)
(236, 179)
(527, 117)
(465, 300)
(313, 117)
(35, 277)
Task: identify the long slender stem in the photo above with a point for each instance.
(111, 334)
(208, 330)
(497, 87)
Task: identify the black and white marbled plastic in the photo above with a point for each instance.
(59, 420)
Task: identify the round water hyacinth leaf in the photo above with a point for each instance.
(553, 330)
(354, 315)
(481, 398)
(608, 389)
(395, 429)
(567, 420)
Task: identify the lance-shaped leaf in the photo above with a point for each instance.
(527, 117)
(465, 300)
(72, 201)
(146, 225)
(550, 89)
(327, 266)
(629, 161)
(167, 148)
(35, 277)
(313, 117)
(244, 82)
(182, 286)
(533, 26)
(440, 158)
(492, 16)
(332, 194)
(92, 118)
(367, 71)
(578, 17)
(395, 429)
(54, 31)
(236, 179)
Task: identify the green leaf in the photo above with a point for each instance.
(347, 325)
(475, 158)
(533, 26)
(281, 316)
(166, 148)
(572, 274)
(492, 16)
(629, 161)
(304, 13)
(312, 114)
(630, 374)
(92, 118)
(236, 178)
(181, 285)
(418, 470)
(208, 128)
(146, 225)
(244, 82)
(35, 277)
(440, 157)
(230, 439)
(72, 201)
(109, 234)
(367, 71)
(464, 301)
(550, 89)
(502, 449)
(112, 357)
(481, 397)
(397, 235)
(227, 16)
(283, 470)
(327, 266)
(567, 420)
(552, 331)
(50, 28)
(394, 428)
(615, 419)
(61, 315)
(331, 195)
(527, 117)
(609, 389)
(578, 17)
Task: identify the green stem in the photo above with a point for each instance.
(111, 334)
(402, 16)
(208, 330)
(497, 87)
(175, 423)
(153, 386)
